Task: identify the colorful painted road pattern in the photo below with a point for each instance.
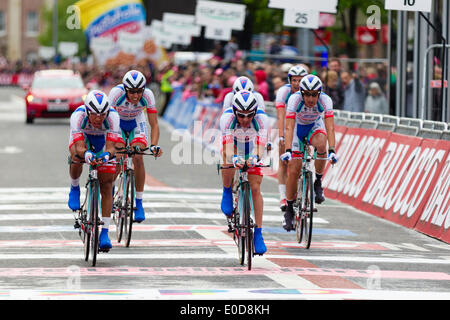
(183, 251)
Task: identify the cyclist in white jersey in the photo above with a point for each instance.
(295, 75)
(94, 134)
(132, 101)
(243, 83)
(244, 136)
(311, 112)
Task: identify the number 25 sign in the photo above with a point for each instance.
(409, 5)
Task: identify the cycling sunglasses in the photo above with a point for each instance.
(133, 91)
(246, 115)
(310, 94)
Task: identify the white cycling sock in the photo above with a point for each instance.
(75, 182)
(282, 189)
(106, 221)
(139, 195)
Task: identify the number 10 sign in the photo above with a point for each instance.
(409, 5)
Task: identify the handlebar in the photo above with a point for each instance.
(135, 150)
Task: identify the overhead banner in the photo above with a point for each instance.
(329, 6)
(225, 15)
(183, 24)
(106, 18)
(117, 33)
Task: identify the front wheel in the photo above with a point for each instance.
(129, 207)
(307, 210)
(94, 221)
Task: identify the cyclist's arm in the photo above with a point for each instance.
(152, 115)
(290, 125)
(329, 126)
(154, 134)
(80, 148)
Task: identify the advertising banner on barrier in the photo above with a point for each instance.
(404, 179)
(434, 217)
(359, 151)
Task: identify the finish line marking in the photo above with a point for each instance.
(221, 271)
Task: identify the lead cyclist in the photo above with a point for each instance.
(310, 112)
(244, 134)
(131, 99)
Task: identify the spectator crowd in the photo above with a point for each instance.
(360, 89)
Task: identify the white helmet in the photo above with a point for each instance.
(310, 83)
(244, 101)
(133, 79)
(96, 102)
(296, 71)
(242, 83)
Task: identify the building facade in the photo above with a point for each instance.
(20, 25)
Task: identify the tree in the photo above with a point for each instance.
(67, 31)
(264, 19)
(347, 16)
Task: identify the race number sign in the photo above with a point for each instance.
(225, 15)
(217, 33)
(329, 6)
(408, 5)
(183, 24)
(301, 19)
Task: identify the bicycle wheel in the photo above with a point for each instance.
(118, 216)
(307, 210)
(94, 221)
(86, 230)
(247, 226)
(129, 206)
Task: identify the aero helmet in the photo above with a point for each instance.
(96, 102)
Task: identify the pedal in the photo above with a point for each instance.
(77, 224)
(230, 225)
(104, 250)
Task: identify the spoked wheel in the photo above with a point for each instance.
(86, 234)
(94, 223)
(247, 224)
(307, 212)
(241, 247)
(298, 224)
(129, 207)
(118, 219)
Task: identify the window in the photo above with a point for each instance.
(2, 23)
(32, 23)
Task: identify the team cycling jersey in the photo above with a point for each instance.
(229, 99)
(127, 110)
(132, 117)
(283, 95)
(309, 121)
(244, 139)
(81, 128)
(303, 115)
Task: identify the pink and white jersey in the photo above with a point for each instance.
(127, 110)
(297, 109)
(283, 95)
(80, 127)
(229, 98)
(244, 138)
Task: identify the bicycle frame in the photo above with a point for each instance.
(241, 223)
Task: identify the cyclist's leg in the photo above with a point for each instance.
(255, 178)
(227, 195)
(318, 139)
(106, 179)
(139, 139)
(282, 177)
(75, 171)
